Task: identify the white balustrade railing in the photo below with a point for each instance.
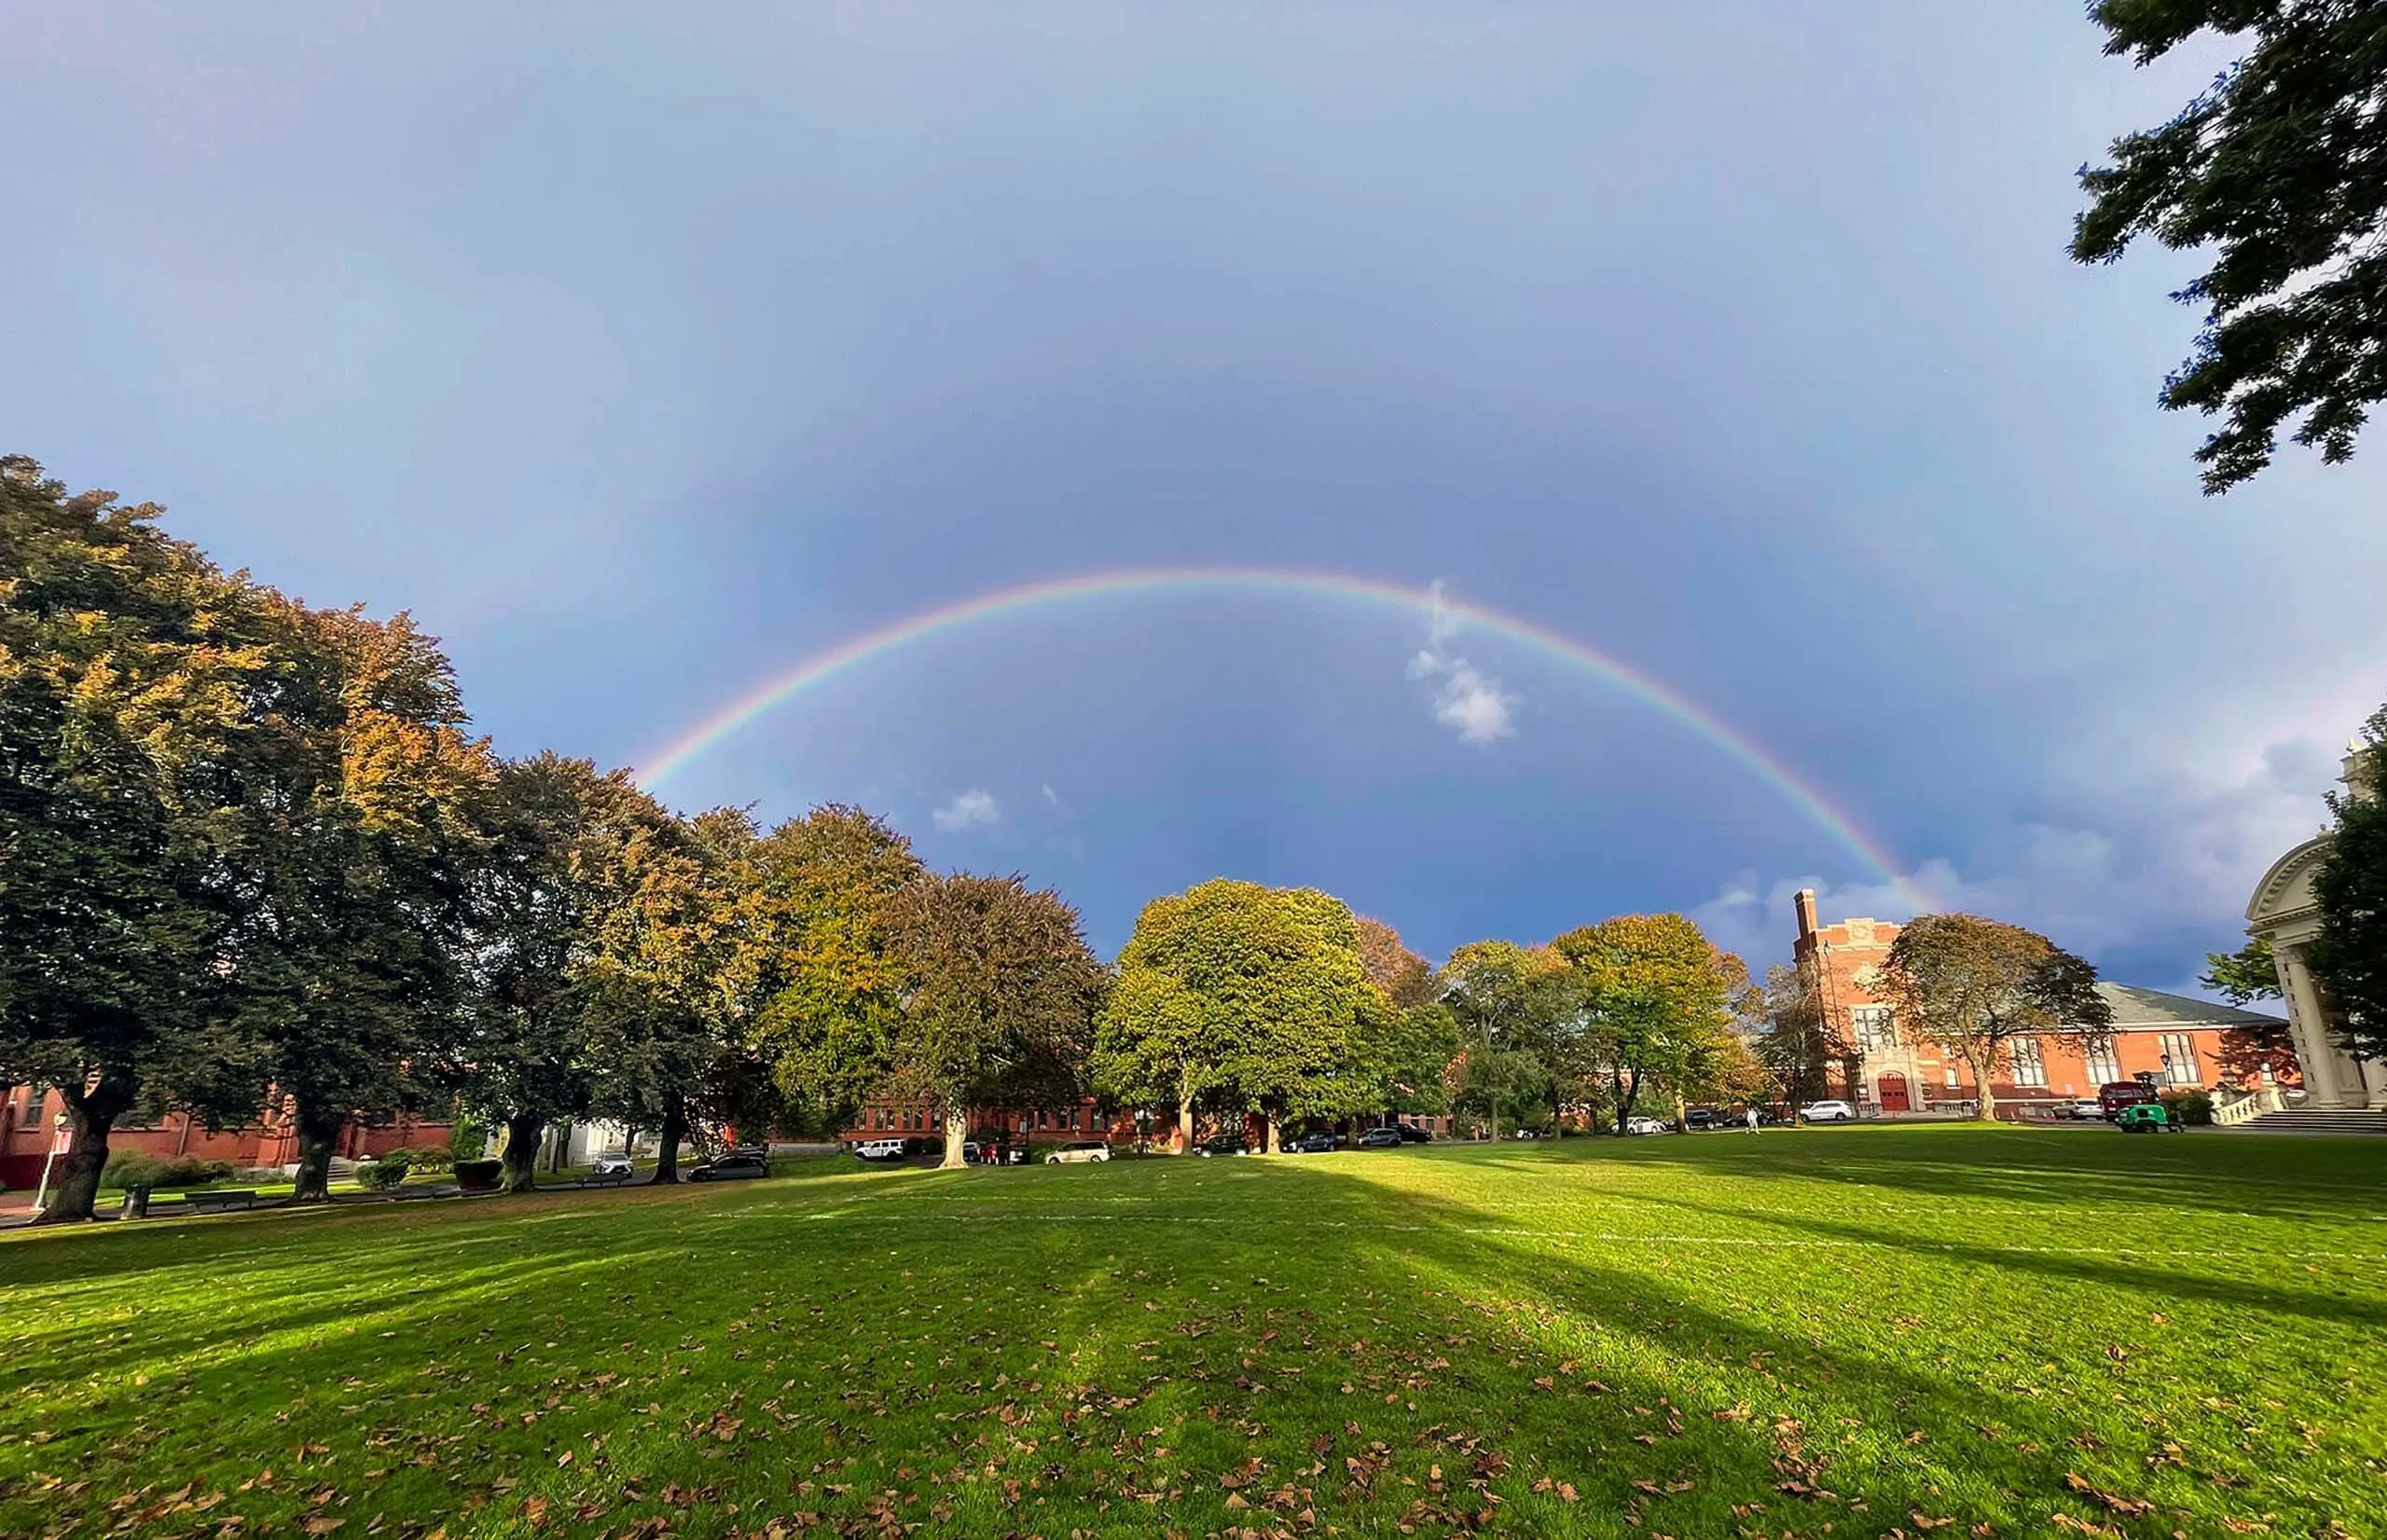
(2246, 1107)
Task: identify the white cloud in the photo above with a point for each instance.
(971, 809)
(2162, 861)
(1051, 798)
(1441, 621)
(1465, 696)
(1475, 705)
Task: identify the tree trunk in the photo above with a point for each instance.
(318, 1136)
(666, 1153)
(520, 1157)
(1682, 1124)
(1272, 1132)
(956, 1133)
(1185, 1125)
(1985, 1106)
(90, 1116)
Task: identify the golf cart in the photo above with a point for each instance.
(2148, 1118)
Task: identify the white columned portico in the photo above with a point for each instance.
(2308, 1025)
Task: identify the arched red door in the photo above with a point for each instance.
(1894, 1098)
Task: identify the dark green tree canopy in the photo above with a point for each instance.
(2279, 168)
(2350, 954)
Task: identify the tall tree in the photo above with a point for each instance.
(130, 675)
(1513, 1016)
(998, 1000)
(2350, 954)
(1785, 1027)
(597, 956)
(1657, 998)
(813, 979)
(1973, 987)
(358, 839)
(1236, 995)
(2280, 167)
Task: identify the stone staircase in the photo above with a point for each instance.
(2315, 1119)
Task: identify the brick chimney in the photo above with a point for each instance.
(1805, 904)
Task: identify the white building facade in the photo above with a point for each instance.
(2284, 911)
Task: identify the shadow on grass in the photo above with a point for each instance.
(1044, 1350)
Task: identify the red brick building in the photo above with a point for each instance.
(2181, 1040)
(29, 1121)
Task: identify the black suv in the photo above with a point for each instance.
(1224, 1144)
(1412, 1135)
(730, 1167)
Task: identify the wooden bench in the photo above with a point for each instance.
(202, 1203)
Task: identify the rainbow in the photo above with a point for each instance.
(676, 755)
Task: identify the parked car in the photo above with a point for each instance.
(1638, 1124)
(1314, 1144)
(732, 1166)
(2114, 1095)
(1077, 1150)
(1703, 1117)
(2088, 1110)
(1381, 1138)
(1412, 1135)
(2149, 1118)
(610, 1168)
(878, 1149)
(1827, 1112)
(1223, 1144)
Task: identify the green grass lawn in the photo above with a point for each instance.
(1842, 1332)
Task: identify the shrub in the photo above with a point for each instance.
(382, 1175)
(466, 1141)
(132, 1168)
(254, 1174)
(2188, 1107)
(478, 1176)
(425, 1157)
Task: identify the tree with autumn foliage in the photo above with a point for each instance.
(812, 977)
(1406, 979)
(1787, 1030)
(1234, 996)
(1513, 1022)
(998, 1002)
(358, 837)
(597, 950)
(1656, 1001)
(132, 676)
(1973, 987)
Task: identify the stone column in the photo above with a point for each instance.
(2310, 1027)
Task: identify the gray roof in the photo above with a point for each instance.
(2153, 1007)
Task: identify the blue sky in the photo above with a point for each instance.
(642, 359)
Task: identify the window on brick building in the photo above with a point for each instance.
(1874, 1027)
(2103, 1066)
(2180, 1058)
(2030, 1063)
(1952, 1081)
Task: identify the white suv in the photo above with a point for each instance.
(880, 1150)
(1827, 1112)
(1079, 1150)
